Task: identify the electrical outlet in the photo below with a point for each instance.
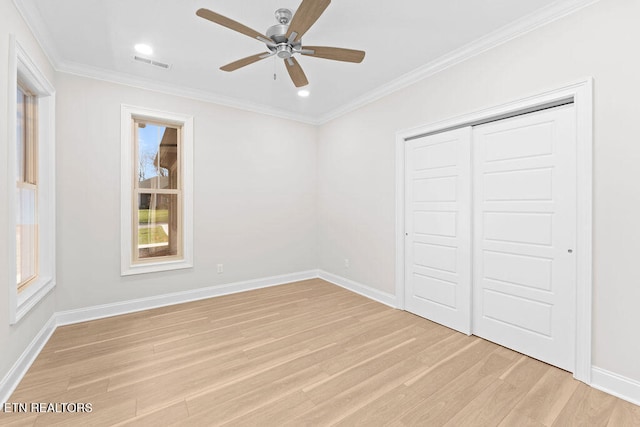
(220, 268)
(346, 262)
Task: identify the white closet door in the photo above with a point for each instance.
(525, 232)
(438, 228)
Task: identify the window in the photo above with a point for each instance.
(31, 168)
(156, 191)
(157, 196)
(26, 188)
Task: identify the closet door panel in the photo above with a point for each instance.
(438, 228)
(524, 178)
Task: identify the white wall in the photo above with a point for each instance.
(255, 198)
(15, 339)
(262, 184)
(356, 173)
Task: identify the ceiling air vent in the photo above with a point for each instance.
(151, 62)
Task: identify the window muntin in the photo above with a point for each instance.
(26, 187)
(157, 192)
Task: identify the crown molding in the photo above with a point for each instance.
(36, 25)
(176, 90)
(502, 35)
(544, 16)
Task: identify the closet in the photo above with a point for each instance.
(490, 231)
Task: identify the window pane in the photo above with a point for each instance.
(26, 235)
(20, 135)
(158, 223)
(157, 156)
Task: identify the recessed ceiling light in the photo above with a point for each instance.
(304, 93)
(144, 49)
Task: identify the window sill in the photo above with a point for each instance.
(31, 296)
(153, 267)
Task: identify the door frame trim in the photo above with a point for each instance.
(581, 94)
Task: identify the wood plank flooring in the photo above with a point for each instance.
(302, 354)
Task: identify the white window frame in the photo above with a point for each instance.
(23, 69)
(128, 114)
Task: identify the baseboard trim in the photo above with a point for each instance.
(26, 359)
(364, 290)
(125, 307)
(616, 385)
(601, 379)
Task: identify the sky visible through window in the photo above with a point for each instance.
(149, 138)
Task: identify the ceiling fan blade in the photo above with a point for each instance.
(246, 61)
(334, 53)
(231, 24)
(295, 72)
(306, 15)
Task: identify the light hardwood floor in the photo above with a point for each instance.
(306, 353)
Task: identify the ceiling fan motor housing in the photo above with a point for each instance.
(278, 33)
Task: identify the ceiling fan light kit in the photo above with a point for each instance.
(284, 39)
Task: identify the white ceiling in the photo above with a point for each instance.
(96, 38)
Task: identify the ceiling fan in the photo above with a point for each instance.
(285, 39)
